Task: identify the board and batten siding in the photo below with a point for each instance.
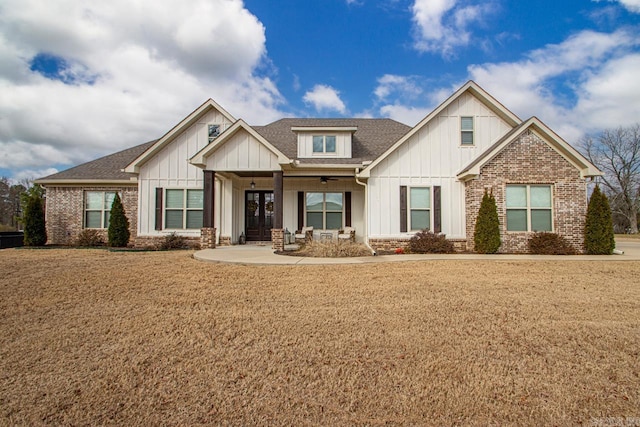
(170, 168)
(432, 157)
(343, 145)
(243, 152)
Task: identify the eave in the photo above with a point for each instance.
(86, 182)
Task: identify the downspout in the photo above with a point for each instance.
(366, 212)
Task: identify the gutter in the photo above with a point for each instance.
(366, 211)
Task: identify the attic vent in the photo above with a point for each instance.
(214, 131)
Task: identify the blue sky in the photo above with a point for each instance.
(80, 79)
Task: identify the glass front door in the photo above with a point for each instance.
(258, 215)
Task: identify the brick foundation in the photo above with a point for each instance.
(529, 160)
(208, 238)
(224, 241)
(277, 239)
(65, 211)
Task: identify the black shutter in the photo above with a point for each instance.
(403, 208)
(347, 209)
(437, 210)
(159, 194)
(300, 210)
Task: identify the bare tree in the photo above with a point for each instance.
(10, 209)
(616, 152)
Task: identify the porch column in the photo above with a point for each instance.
(277, 233)
(208, 232)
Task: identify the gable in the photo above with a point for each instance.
(545, 134)
(192, 130)
(469, 99)
(436, 149)
(240, 148)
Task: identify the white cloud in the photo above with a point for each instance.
(585, 84)
(602, 92)
(404, 114)
(325, 98)
(137, 69)
(443, 25)
(402, 86)
(631, 5)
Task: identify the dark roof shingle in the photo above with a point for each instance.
(373, 137)
(105, 168)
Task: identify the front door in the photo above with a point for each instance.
(258, 215)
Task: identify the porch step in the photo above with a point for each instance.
(259, 243)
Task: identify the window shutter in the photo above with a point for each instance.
(403, 208)
(300, 210)
(437, 210)
(159, 193)
(347, 209)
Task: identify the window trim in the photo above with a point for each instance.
(410, 208)
(472, 131)
(103, 211)
(184, 209)
(324, 145)
(529, 208)
(217, 134)
(324, 210)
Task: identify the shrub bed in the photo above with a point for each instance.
(426, 242)
(544, 243)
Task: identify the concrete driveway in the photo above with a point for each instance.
(256, 254)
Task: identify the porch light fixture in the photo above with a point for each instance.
(323, 180)
(253, 184)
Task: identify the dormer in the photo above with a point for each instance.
(316, 142)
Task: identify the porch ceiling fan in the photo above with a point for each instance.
(325, 179)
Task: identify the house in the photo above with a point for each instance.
(214, 178)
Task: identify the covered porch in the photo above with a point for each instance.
(267, 206)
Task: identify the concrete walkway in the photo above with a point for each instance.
(256, 254)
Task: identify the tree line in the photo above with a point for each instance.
(10, 203)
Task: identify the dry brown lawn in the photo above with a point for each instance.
(91, 337)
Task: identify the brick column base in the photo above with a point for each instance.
(208, 238)
(277, 239)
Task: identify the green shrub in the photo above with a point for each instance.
(35, 232)
(598, 232)
(173, 241)
(118, 233)
(89, 238)
(426, 242)
(545, 243)
(486, 236)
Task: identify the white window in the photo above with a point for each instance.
(529, 208)
(324, 143)
(419, 208)
(214, 132)
(466, 130)
(97, 208)
(183, 209)
(324, 210)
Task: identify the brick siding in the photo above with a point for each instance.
(65, 211)
(529, 160)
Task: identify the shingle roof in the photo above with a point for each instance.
(373, 137)
(105, 168)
